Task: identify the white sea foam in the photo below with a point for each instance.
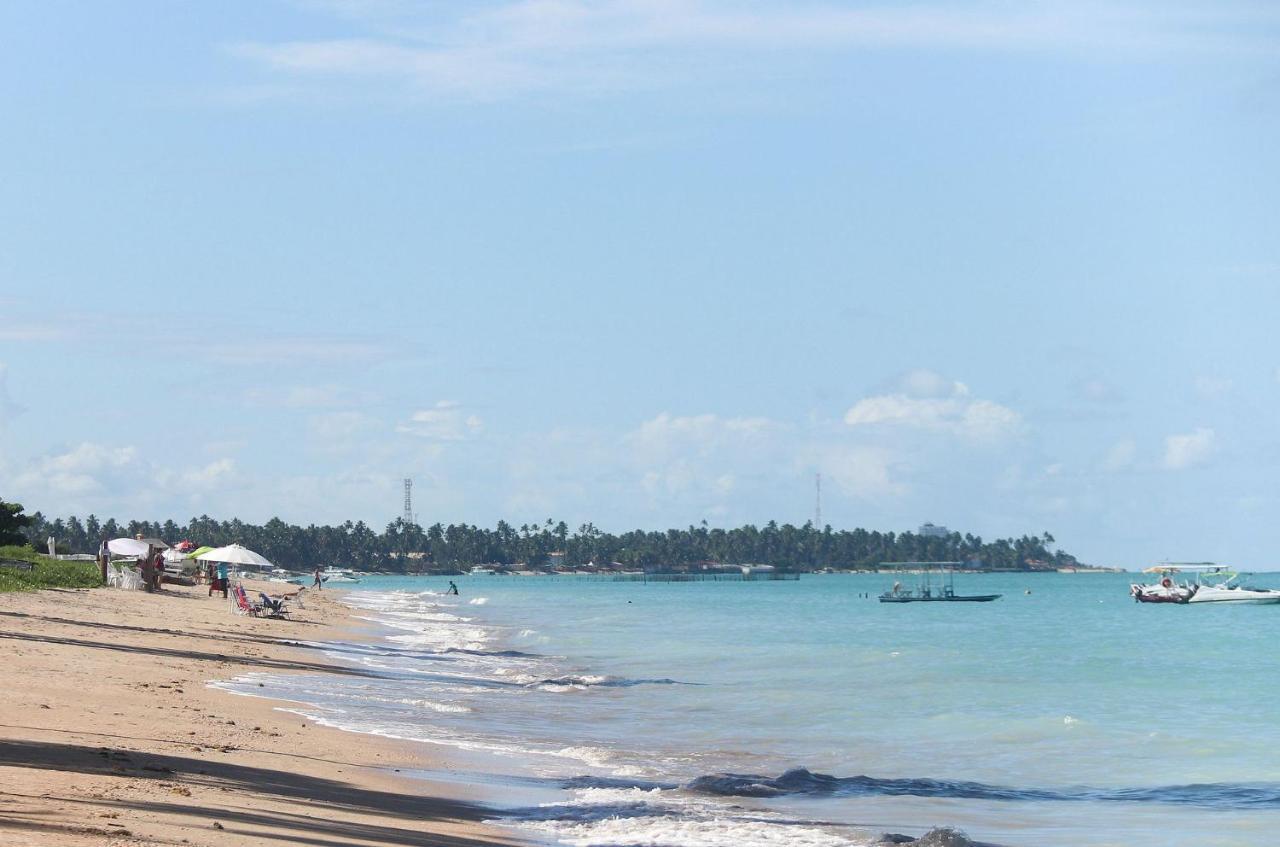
(595, 756)
(478, 601)
(635, 817)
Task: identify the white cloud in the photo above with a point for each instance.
(667, 434)
(929, 384)
(82, 469)
(1120, 456)
(1190, 449)
(91, 477)
(698, 460)
(337, 429)
(214, 473)
(505, 48)
(445, 421)
(863, 471)
(936, 405)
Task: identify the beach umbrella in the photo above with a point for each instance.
(155, 542)
(131, 547)
(234, 554)
(196, 553)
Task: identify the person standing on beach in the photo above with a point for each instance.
(157, 570)
(319, 583)
(104, 557)
(147, 564)
(220, 581)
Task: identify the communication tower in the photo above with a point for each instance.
(817, 502)
(408, 500)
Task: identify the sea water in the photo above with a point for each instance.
(807, 713)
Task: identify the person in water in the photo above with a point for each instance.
(453, 589)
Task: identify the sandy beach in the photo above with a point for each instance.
(109, 734)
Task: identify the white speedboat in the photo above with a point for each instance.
(336, 575)
(1212, 584)
(1222, 585)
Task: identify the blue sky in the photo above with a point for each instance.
(1005, 267)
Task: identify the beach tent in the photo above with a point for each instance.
(234, 554)
(196, 553)
(131, 547)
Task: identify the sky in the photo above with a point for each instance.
(1006, 267)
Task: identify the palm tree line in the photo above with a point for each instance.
(408, 547)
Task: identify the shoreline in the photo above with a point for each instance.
(114, 734)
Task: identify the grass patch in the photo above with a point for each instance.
(45, 572)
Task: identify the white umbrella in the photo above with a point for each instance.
(234, 554)
(127, 547)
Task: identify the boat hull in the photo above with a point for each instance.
(1239, 597)
(971, 598)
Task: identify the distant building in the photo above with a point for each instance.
(556, 559)
(929, 530)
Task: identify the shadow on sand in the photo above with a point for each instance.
(318, 799)
(198, 655)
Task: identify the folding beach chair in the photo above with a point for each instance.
(240, 602)
(271, 608)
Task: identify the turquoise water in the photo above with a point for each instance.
(1066, 716)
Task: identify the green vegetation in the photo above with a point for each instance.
(440, 548)
(45, 572)
(13, 524)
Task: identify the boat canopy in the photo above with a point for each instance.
(1179, 567)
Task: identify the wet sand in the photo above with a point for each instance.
(110, 736)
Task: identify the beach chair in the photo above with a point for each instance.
(240, 602)
(271, 608)
(131, 579)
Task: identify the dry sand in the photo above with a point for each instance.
(109, 735)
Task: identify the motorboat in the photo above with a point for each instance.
(1167, 588)
(332, 574)
(1211, 584)
(1223, 585)
(927, 592)
(480, 570)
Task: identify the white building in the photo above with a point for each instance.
(929, 530)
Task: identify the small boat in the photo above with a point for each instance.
(926, 592)
(480, 570)
(332, 574)
(1212, 584)
(1166, 589)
